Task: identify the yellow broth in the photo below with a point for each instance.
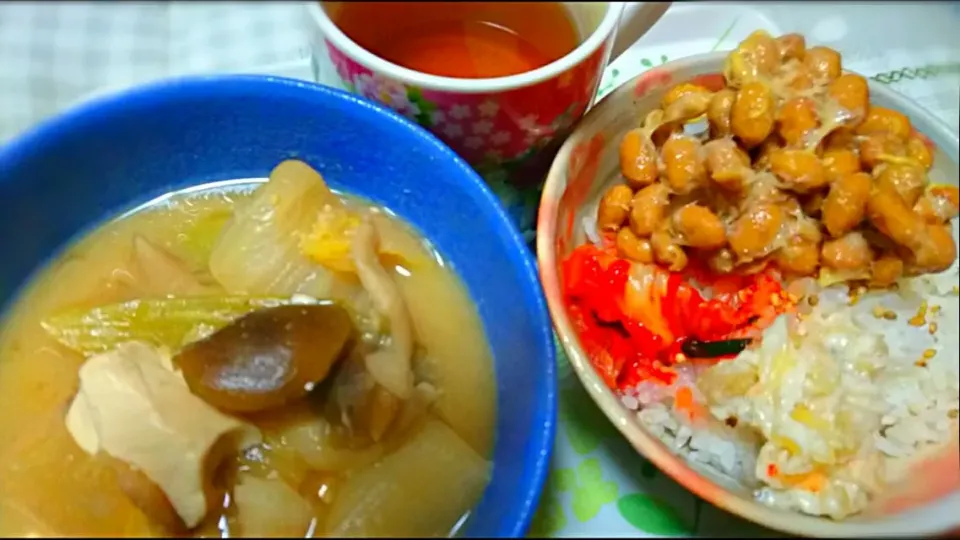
(49, 486)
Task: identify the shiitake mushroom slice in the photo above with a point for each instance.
(267, 358)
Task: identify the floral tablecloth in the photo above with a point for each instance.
(55, 54)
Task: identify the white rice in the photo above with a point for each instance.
(902, 381)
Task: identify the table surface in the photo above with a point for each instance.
(56, 54)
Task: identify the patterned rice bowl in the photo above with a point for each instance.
(925, 504)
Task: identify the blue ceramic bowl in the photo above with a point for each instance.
(95, 161)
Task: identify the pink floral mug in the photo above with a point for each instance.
(508, 128)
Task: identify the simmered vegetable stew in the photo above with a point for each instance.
(281, 362)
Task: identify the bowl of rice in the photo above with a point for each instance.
(750, 258)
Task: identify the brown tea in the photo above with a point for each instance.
(470, 40)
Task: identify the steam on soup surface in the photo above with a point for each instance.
(276, 363)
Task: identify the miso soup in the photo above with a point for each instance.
(277, 361)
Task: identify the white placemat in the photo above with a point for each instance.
(913, 46)
(53, 54)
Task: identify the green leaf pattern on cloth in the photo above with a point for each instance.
(425, 107)
(913, 73)
(648, 470)
(565, 479)
(551, 517)
(584, 423)
(652, 515)
(588, 490)
(521, 204)
(591, 492)
(610, 81)
(647, 63)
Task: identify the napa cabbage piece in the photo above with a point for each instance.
(271, 508)
(645, 287)
(807, 394)
(323, 446)
(259, 251)
(299, 439)
(378, 501)
(168, 322)
(198, 238)
(157, 272)
(152, 271)
(318, 447)
(724, 381)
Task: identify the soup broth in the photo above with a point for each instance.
(470, 40)
(323, 464)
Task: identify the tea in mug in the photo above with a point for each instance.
(469, 40)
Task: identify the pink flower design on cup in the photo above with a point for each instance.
(507, 128)
(387, 91)
(490, 130)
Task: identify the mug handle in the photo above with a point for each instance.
(635, 20)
